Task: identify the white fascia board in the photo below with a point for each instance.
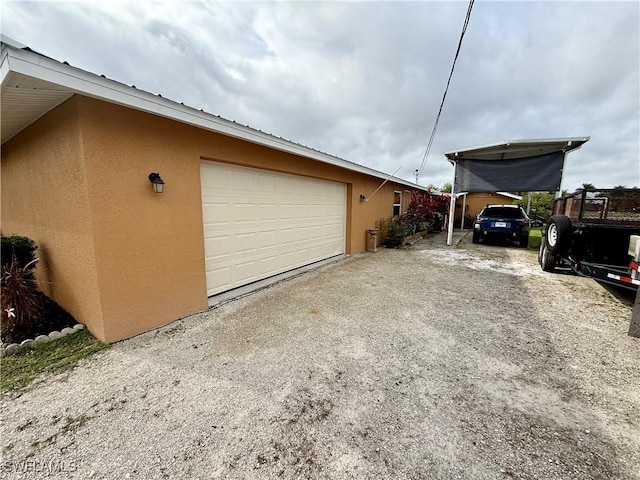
(5, 69)
(571, 142)
(102, 88)
(510, 195)
(504, 194)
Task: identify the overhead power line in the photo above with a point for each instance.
(435, 125)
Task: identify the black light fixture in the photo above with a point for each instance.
(158, 183)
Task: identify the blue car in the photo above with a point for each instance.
(502, 222)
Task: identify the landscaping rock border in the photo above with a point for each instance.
(13, 348)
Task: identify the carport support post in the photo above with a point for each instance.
(452, 205)
(464, 207)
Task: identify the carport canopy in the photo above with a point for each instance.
(515, 165)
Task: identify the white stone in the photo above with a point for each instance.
(28, 343)
(78, 326)
(55, 334)
(41, 339)
(12, 349)
(67, 331)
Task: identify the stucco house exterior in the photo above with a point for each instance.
(238, 205)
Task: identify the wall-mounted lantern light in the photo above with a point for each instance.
(363, 198)
(158, 183)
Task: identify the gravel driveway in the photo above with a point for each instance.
(427, 362)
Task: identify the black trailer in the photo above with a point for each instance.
(595, 233)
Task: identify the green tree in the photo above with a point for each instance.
(446, 188)
(541, 203)
(589, 186)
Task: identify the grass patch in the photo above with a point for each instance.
(535, 237)
(47, 359)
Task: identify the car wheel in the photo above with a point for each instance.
(524, 241)
(557, 237)
(546, 258)
(476, 237)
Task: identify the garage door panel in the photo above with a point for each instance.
(268, 239)
(286, 236)
(245, 272)
(287, 211)
(270, 265)
(267, 211)
(243, 181)
(259, 223)
(267, 184)
(218, 278)
(215, 180)
(302, 234)
(244, 212)
(217, 211)
(317, 231)
(218, 246)
(245, 243)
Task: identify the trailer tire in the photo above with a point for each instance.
(545, 257)
(557, 237)
(540, 249)
(475, 238)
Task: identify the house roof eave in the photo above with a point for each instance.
(54, 76)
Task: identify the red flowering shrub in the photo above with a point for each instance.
(425, 212)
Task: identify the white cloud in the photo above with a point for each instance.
(364, 80)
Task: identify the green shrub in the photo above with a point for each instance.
(394, 230)
(22, 248)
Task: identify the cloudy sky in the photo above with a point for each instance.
(364, 81)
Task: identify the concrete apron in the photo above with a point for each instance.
(225, 297)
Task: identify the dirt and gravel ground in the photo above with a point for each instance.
(428, 362)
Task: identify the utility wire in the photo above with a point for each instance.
(435, 126)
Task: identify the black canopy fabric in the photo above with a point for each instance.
(540, 173)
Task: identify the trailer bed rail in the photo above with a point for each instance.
(619, 207)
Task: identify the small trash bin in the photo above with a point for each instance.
(372, 240)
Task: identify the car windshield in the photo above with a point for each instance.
(502, 212)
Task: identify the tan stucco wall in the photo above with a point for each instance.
(477, 201)
(148, 248)
(45, 197)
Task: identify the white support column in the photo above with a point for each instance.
(464, 205)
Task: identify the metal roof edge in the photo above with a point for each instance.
(5, 69)
(504, 194)
(510, 195)
(579, 141)
(28, 62)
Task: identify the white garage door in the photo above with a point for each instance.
(259, 223)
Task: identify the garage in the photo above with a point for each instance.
(238, 205)
(259, 223)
